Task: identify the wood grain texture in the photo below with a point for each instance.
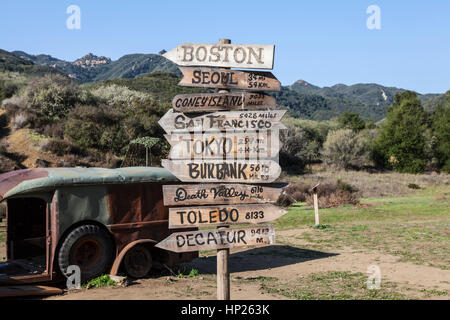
(199, 194)
(229, 79)
(252, 56)
(208, 102)
(235, 145)
(223, 215)
(222, 238)
(176, 122)
(241, 171)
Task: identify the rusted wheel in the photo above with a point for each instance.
(137, 261)
(90, 248)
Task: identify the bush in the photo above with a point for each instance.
(441, 132)
(329, 194)
(351, 120)
(62, 147)
(334, 199)
(345, 148)
(298, 191)
(413, 186)
(333, 195)
(285, 200)
(115, 95)
(400, 144)
(52, 97)
(19, 121)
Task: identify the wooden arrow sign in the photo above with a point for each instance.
(235, 145)
(207, 102)
(232, 120)
(218, 239)
(246, 171)
(197, 194)
(251, 56)
(229, 79)
(209, 216)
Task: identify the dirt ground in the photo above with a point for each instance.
(287, 272)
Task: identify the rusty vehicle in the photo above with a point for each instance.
(105, 221)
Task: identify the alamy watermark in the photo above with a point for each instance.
(374, 20)
(374, 280)
(74, 279)
(73, 22)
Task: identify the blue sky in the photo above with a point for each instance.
(322, 42)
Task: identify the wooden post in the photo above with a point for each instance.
(316, 205)
(316, 209)
(223, 255)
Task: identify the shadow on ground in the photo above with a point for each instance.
(260, 259)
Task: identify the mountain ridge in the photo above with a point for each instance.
(303, 99)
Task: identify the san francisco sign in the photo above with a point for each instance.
(209, 216)
(233, 120)
(229, 79)
(206, 102)
(250, 56)
(218, 239)
(196, 194)
(220, 145)
(249, 171)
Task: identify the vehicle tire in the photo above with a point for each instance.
(90, 248)
(137, 262)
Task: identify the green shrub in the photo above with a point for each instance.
(400, 144)
(351, 120)
(345, 148)
(52, 97)
(62, 148)
(102, 281)
(441, 132)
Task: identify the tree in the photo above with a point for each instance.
(441, 130)
(351, 120)
(400, 144)
(344, 148)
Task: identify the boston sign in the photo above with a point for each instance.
(223, 55)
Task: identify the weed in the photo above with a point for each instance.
(102, 281)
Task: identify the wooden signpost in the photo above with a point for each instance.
(249, 171)
(196, 194)
(229, 145)
(223, 145)
(218, 239)
(207, 102)
(229, 79)
(223, 55)
(223, 215)
(173, 122)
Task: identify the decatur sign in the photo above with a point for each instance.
(218, 239)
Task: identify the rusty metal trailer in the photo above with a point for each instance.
(102, 220)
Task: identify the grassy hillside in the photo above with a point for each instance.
(162, 86)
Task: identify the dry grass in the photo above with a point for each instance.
(371, 185)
